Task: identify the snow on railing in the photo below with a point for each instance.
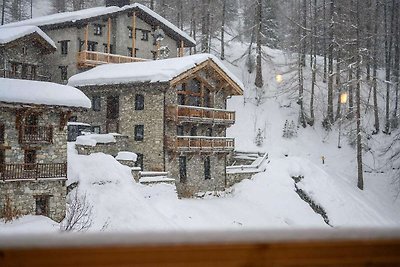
(193, 113)
(94, 58)
(255, 167)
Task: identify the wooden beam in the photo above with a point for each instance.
(188, 73)
(134, 34)
(86, 36)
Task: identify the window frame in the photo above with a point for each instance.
(45, 199)
(139, 132)
(139, 102)
(207, 168)
(98, 29)
(64, 47)
(182, 165)
(96, 103)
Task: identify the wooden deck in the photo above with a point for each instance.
(182, 249)
(200, 144)
(32, 171)
(93, 59)
(204, 115)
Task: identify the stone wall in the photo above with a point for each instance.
(122, 144)
(196, 181)
(55, 152)
(34, 56)
(152, 117)
(23, 196)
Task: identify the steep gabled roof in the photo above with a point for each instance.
(86, 15)
(17, 91)
(11, 34)
(167, 70)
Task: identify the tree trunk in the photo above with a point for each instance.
(375, 68)
(330, 55)
(351, 93)
(313, 65)
(396, 70)
(338, 83)
(205, 25)
(360, 178)
(388, 61)
(223, 29)
(259, 79)
(324, 41)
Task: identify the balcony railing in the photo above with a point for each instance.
(200, 115)
(92, 59)
(36, 134)
(32, 171)
(200, 144)
(18, 75)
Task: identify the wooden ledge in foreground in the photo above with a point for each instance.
(311, 248)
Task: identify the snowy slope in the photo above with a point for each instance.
(269, 199)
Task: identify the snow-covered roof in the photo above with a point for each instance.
(41, 93)
(76, 16)
(9, 34)
(94, 139)
(126, 155)
(148, 71)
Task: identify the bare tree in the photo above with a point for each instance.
(79, 214)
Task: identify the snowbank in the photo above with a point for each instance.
(148, 71)
(41, 93)
(126, 155)
(93, 139)
(13, 33)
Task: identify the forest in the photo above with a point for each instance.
(358, 42)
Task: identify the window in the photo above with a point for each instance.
(98, 29)
(24, 71)
(96, 103)
(24, 50)
(193, 131)
(139, 132)
(33, 72)
(29, 159)
(145, 35)
(64, 72)
(180, 130)
(64, 47)
(139, 161)
(207, 168)
(96, 129)
(14, 69)
(182, 169)
(42, 205)
(130, 32)
(92, 46)
(209, 131)
(106, 48)
(130, 52)
(139, 102)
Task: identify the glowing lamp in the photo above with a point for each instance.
(279, 78)
(343, 98)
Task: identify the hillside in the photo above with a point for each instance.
(269, 199)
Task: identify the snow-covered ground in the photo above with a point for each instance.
(267, 201)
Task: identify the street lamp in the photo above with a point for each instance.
(279, 78)
(343, 101)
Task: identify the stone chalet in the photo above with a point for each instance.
(22, 52)
(33, 144)
(173, 111)
(119, 32)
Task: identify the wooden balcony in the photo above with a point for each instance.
(93, 59)
(203, 115)
(32, 171)
(35, 134)
(200, 144)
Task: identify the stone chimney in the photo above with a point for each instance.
(119, 3)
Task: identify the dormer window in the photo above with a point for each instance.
(98, 29)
